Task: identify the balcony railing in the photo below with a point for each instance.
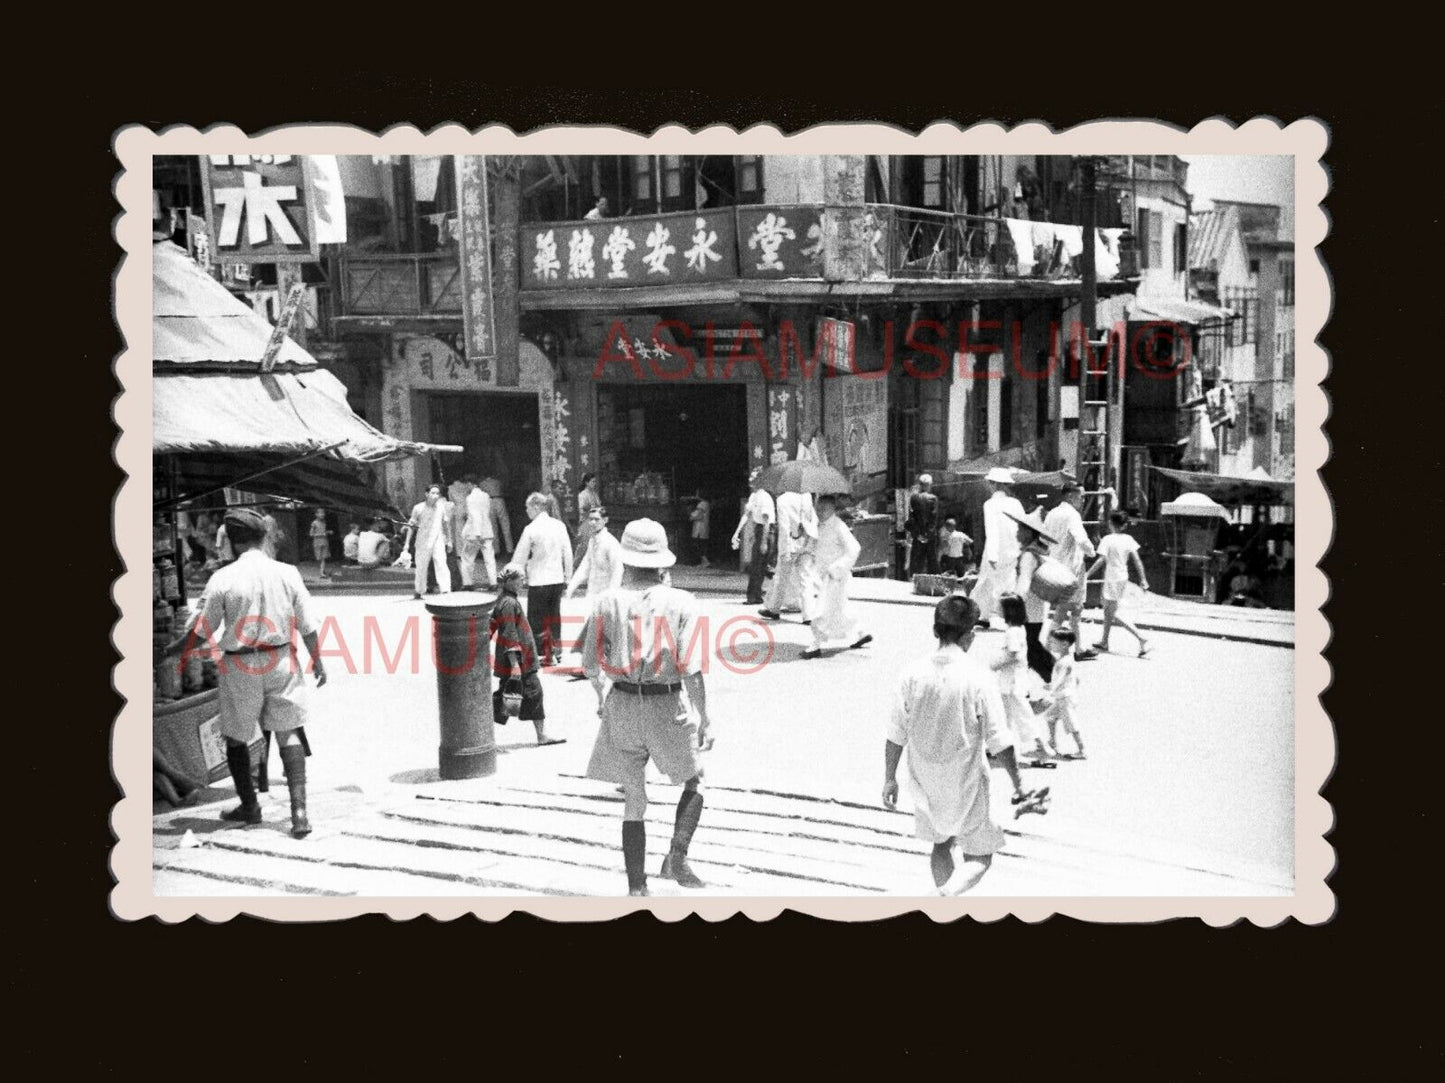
(401, 285)
(722, 244)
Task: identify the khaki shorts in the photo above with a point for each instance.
(272, 695)
(637, 728)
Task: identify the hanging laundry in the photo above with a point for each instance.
(1106, 255)
(1231, 408)
(1073, 238)
(1043, 234)
(1021, 233)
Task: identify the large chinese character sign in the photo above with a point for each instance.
(260, 208)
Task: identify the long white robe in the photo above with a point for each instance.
(795, 583)
(1000, 553)
(837, 552)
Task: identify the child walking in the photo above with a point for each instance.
(515, 656)
(1117, 552)
(320, 540)
(1011, 666)
(1063, 692)
(956, 547)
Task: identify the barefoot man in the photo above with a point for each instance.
(949, 715)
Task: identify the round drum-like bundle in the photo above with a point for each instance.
(1052, 581)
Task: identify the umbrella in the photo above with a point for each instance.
(803, 477)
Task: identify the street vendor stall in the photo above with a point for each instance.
(1194, 521)
(228, 420)
(1256, 544)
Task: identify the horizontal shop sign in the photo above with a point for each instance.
(679, 248)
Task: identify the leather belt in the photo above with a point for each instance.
(647, 689)
(260, 647)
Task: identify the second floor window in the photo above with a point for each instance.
(642, 196)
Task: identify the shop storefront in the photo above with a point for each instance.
(518, 435)
(662, 428)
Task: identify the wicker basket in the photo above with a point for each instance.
(1052, 581)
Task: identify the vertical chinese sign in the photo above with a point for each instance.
(260, 209)
(478, 313)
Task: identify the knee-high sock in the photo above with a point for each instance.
(634, 852)
(238, 759)
(689, 812)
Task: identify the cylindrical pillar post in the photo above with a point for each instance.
(462, 653)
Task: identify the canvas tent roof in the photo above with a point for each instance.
(1232, 491)
(1176, 310)
(210, 395)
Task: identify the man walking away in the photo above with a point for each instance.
(258, 601)
(544, 552)
(478, 535)
(1000, 544)
(797, 540)
(923, 527)
(630, 647)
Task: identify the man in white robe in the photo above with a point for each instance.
(1000, 545)
(836, 553)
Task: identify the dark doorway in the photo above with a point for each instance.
(500, 435)
(697, 434)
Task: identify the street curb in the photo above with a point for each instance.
(919, 602)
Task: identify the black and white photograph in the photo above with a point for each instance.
(709, 522)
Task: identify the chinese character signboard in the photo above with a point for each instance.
(780, 242)
(259, 208)
(479, 318)
(651, 250)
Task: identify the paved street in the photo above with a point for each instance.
(1188, 788)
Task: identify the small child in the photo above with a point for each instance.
(1063, 692)
(351, 544)
(1117, 552)
(320, 540)
(956, 547)
(1011, 665)
(515, 656)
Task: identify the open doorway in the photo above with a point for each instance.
(500, 435)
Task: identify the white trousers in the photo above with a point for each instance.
(424, 557)
(471, 547)
(794, 583)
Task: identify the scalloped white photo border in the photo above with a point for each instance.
(1306, 140)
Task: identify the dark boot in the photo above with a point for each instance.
(263, 769)
(674, 865)
(238, 759)
(634, 854)
(293, 758)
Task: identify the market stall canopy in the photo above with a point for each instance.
(1176, 310)
(210, 395)
(1195, 506)
(1232, 491)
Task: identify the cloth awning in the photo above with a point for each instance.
(1176, 310)
(282, 413)
(341, 486)
(210, 395)
(1232, 491)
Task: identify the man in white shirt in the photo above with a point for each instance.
(478, 535)
(949, 715)
(1072, 549)
(754, 536)
(1000, 545)
(797, 539)
(250, 609)
(545, 551)
(501, 521)
(598, 212)
(431, 522)
(372, 547)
